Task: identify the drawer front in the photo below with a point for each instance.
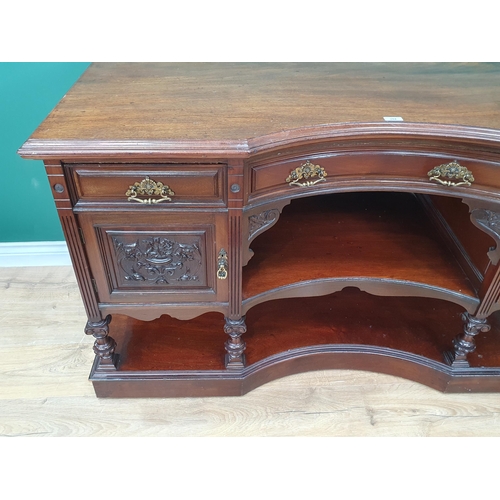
(366, 168)
(148, 184)
(155, 258)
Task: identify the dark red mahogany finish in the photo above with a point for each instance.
(210, 261)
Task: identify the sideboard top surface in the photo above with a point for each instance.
(231, 103)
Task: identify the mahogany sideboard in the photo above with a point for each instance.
(230, 224)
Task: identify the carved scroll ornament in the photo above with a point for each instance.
(258, 223)
(489, 222)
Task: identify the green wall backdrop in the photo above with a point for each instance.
(28, 92)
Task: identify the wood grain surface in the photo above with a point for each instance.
(240, 101)
(45, 359)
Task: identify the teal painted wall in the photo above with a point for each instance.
(28, 92)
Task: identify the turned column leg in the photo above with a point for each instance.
(235, 328)
(104, 345)
(464, 343)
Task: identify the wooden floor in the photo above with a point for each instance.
(45, 359)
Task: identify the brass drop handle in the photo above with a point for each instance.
(452, 170)
(148, 187)
(222, 265)
(306, 171)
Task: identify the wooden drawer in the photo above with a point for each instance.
(366, 169)
(197, 185)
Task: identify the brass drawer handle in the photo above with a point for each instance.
(222, 264)
(306, 171)
(148, 187)
(451, 170)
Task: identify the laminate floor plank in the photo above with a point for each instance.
(45, 360)
(40, 306)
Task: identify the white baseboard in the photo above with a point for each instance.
(34, 253)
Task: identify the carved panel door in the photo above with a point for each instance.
(153, 257)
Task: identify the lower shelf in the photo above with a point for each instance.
(401, 336)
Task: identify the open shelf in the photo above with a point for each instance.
(169, 344)
(360, 236)
(421, 326)
(401, 336)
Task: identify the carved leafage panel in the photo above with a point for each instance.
(489, 222)
(258, 223)
(159, 261)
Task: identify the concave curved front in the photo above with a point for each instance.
(375, 286)
(374, 241)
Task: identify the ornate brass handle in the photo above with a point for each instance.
(148, 187)
(451, 170)
(306, 171)
(222, 265)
